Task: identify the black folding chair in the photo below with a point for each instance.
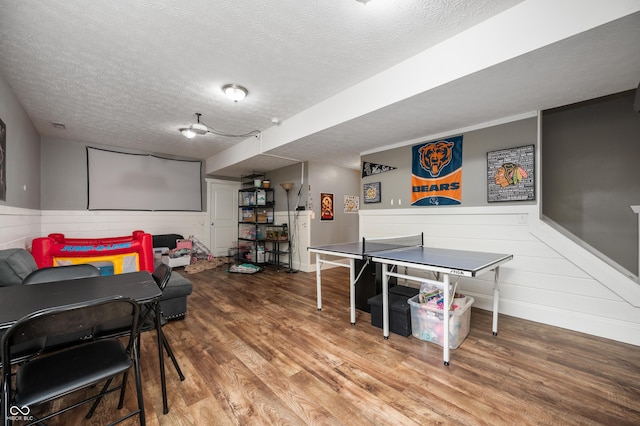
(79, 365)
(28, 349)
(59, 273)
(161, 275)
(151, 318)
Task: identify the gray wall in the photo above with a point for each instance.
(23, 153)
(64, 174)
(316, 178)
(339, 182)
(591, 174)
(396, 184)
(296, 173)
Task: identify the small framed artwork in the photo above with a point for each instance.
(326, 209)
(351, 203)
(510, 174)
(372, 192)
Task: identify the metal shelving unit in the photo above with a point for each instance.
(277, 244)
(255, 213)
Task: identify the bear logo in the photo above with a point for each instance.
(435, 156)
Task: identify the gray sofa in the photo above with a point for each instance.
(16, 264)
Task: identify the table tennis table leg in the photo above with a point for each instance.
(496, 299)
(385, 301)
(318, 281)
(352, 290)
(446, 318)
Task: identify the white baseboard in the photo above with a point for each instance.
(592, 324)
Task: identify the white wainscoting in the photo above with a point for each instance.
(101, 224)
(18, 227)
(546, 281)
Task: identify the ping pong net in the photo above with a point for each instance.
(372, 245)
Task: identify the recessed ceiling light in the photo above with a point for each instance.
(235, 92)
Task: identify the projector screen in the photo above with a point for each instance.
(121, 181)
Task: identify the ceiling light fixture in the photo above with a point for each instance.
(195, 129)
(235, 92)
(199, 128)
(188, 133)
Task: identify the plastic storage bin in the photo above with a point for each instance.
(174, 262)
(427, 323)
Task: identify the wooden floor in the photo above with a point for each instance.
(256, 351)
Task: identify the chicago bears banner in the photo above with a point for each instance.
(436, 172)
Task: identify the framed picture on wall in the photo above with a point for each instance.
(372, 192)
(510, 174)
(351, 203)
(326, 206)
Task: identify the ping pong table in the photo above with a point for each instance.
(352, 251)
(404, 252)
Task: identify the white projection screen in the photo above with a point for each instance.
(121, 181)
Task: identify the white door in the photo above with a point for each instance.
(223, 217)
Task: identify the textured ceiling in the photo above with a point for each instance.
(128, 73)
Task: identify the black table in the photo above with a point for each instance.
(21, 300)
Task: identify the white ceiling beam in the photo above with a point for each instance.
(526, 27)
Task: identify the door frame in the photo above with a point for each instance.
(235, 186)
